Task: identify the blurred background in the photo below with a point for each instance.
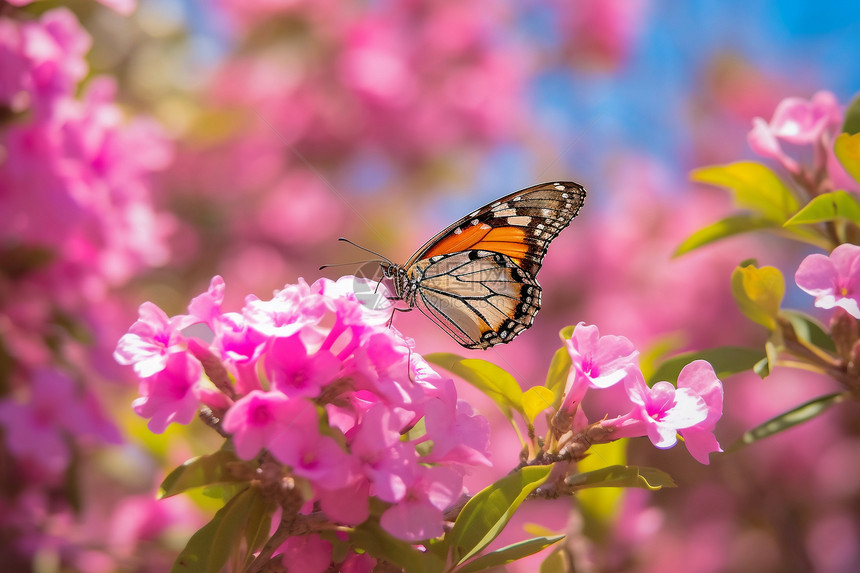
(160, 144)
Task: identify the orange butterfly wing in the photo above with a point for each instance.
(476, 278)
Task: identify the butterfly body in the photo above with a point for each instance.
(477, 278)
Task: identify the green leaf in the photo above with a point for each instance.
(847, 150)
(601, 504)
(621, 476)
(378, 543)
(793, 417)
(486, 514)
(257, 527)
(828, 207)
(851, 123)
(490, 379)
(509, 554)
(809, 329)
(726, 360)
(759, 292)
(728, 227)
(212, 545)
(536, 400)
(556, 376)
(762, 367)
(754, 186)
(200, 472)
(558, 561)
(567, 332)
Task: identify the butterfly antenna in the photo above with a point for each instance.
(366, 250)
(352, 263)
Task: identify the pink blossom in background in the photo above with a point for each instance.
(38, 429)
(833, 280)
(600, 34)
(799, 122)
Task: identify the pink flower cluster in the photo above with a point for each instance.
(834, 280)
(801, 123)
(660, 412)
(326, 388)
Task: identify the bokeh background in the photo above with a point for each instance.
(161, 143)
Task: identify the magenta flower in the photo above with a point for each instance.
(296, 372)
(307, 553)
(598, 362)
(419, 515)
(257, 417)
(149, 342)
(699, 376)
(662, 411)
(795, 121)
(343, 391)
(37, 429)
(170, 395)
(833, 280)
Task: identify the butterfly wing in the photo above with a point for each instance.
(476, 279)
(480, 298)
(520, 225)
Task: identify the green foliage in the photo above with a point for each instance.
(793, 417)
(556, 376)
(211, 546)
(487, 513)
(847, 150)
(851, 123)
(202, 471)
(833, 206)
(621, 476)
(754, 186)
(536, 400)
(508, 554)
(377, 542)
(759, 293)
(726, 360)
(490, 379)
(728, 227)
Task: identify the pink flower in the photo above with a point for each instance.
(795, 121)
(660, 412)
(308, 553)
(149, 342)
(386, 461)
(699, 376)
(38, 429)
(257, 418)
(833, 280)
(169, 395)
(310, 454)
(419, 515)
(598, 362)
(296, 372)
(457, 432)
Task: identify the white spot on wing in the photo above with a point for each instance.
(521, 221)
(458, 230)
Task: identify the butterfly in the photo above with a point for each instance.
(477, 278)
